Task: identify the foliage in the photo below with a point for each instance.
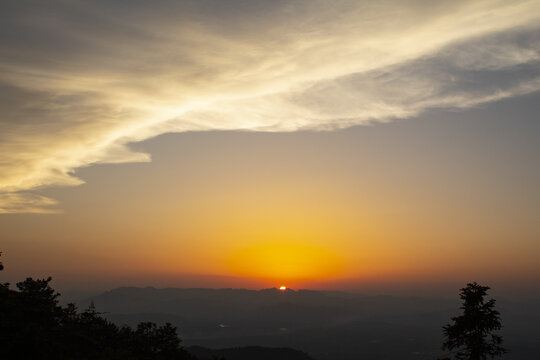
(34, 326)
(471, 333)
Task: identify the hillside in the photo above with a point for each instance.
(326, 325)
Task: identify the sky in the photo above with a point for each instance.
(343, 145)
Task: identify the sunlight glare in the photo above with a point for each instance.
(296, 262)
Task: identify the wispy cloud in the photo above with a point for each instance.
(12, 203)
(80, 80)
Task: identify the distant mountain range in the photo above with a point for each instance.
(327, 325)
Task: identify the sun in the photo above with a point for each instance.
(282, 288)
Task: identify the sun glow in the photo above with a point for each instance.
(290, 261)
(282, 288)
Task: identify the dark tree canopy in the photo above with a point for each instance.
(471, 334)
(34, 326)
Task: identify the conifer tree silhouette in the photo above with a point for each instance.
(471, 333)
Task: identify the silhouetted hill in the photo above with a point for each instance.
(355, 340)
(326, 325)
(249, 353)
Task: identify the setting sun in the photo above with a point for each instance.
(177, 162)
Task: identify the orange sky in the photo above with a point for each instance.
(307, 143)
(319, 210)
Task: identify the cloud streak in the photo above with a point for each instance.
(81, 80)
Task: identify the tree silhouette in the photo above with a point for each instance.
(33, 325)
(471, 334)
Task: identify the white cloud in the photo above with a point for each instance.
(13, 203)
(79, 82)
